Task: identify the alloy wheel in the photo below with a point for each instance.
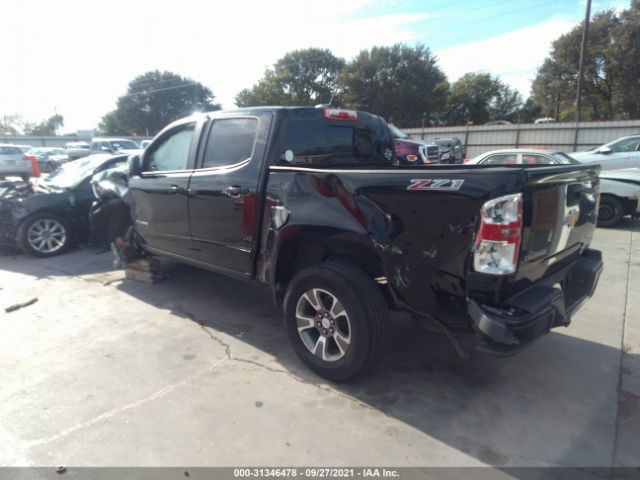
(47, 236)
(323, 324)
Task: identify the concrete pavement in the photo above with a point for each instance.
(197, 371)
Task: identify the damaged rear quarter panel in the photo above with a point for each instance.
(422, 238)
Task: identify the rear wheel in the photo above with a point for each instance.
(44, 235)
(336, 319)
(51, 166)
(610, 212)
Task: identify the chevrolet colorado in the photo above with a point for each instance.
(314, 203)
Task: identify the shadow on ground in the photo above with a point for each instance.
(554, 404)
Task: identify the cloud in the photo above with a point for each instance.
(81, 65)
(513, 56)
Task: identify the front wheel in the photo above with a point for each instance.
(337, 320)
(44, 235)
(610, 212)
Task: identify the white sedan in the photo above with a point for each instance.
(619, 189)
(621, 153)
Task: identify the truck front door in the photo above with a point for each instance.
(223, 193)
(159, 194)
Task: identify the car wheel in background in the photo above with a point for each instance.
(610, 212)
(51, 166)
(44, 235)
(337, 319)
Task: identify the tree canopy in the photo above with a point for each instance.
(402, 83)
(479, 98)
(48, 127)
(301, 77)
(154, 100)
(611, 86)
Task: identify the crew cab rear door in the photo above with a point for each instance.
(223, 191)
(160, 192)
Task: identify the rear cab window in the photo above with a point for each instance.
(308, 139)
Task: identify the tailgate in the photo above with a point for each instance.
(559, 219)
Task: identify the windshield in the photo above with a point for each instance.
(124, 145)
(71, 174)
(443, 143)
(563, 158)
(629, 144)
(397, 133)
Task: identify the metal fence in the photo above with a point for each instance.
(565, 137)
(41, 141)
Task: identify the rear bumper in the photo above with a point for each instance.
(531, 314)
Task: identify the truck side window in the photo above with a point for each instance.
(172, 153)
(230, 141)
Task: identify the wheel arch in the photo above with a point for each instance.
(304, 251)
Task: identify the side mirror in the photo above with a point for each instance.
(604, 150)
(135, 165)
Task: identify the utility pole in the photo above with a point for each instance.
(583, 53)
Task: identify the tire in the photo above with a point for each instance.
(25, 178)
(360, 329)
(610, 212)
(51, 166)
(52, 229)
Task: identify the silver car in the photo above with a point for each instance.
(619, 189)
(621, 153)
(13, 162)
(49, 158)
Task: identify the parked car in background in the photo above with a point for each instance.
(48, 158)
(450, 150)
(412, 152)
(619, 189)
(24, 148)
(113, 145)
(13, 163)
(621, 153)
(48, 215)
(144, 143)
(523, 156)
(77, 150)
(544, 120)
(619, 196)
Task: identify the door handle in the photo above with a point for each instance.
(174, 189)
(235, 191)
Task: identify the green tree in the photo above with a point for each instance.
(611, 86)
(403, 84)
(529, 111)
(301, 77)
(154, 100)
(480, 97)
(48, 127)
(624, 62)
(10, 124)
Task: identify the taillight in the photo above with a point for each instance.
(498, 239)
(338, 114)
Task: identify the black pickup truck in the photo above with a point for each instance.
(313, 203)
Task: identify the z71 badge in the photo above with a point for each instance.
(435, 184)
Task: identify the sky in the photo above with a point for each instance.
(76, 57)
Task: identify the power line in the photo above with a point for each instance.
(508, 13)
